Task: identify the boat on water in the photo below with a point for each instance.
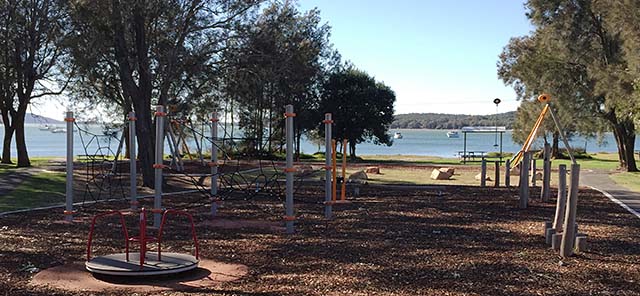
(45, 127)
(57, 130)
(397, 135)
(453, 134)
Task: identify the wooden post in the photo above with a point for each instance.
(524, 180)
(507, 173)
(546, 174)
(569, 232)
(483, 173)
(561, 201)
(533, 170)
(497, 176)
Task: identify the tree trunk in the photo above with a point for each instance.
(625, 134)
(352, 150)
(555, 141)
(21, 144)
(8, 135)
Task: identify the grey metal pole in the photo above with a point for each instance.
(564, 137)
(507, 173)
(327, 166)
(524, 180)
(133, 178)
(214, 164)
(569, 231)
(289, 216)
(546, 174)
(561, 201)
(483, 173)
(68, 212)
(159, 165)
(497, 176)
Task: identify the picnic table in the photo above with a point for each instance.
(472, 155)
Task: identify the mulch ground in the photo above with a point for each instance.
(389, 241)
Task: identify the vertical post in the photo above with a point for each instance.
(464, 149)
(569, 231)
(497, 176)
(483, 173)
(334, 176)
(158, 165)
(507, 173)
(289, 217)
(546, 174)
(68, 212)
(524, 180)
(327, 166)
(214, 164)
(501, 133)
(561, 202)
(343, 189)
(133, 177)
(533, 170)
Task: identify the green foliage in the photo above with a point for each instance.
(362, 108)
(451, 121)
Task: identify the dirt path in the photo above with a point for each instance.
(600, 180)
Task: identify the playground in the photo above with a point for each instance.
(228, 225)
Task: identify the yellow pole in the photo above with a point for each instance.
(532, 136)
(343, 190)
(333, 184)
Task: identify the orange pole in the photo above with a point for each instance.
(532, 136)
(343, 190)
(334, 183)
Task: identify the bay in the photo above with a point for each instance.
(44, 143)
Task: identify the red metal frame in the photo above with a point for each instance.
(124, 231)
(143, 239)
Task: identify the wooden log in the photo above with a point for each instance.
(483, 173)
(561, 201)
(548, 237)
(497, 176)
(533, 170)
(524, 180)
(569, 231)
(556, 241)
(546, 174)
(581, 243)
(507, 173)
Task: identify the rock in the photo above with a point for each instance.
(449, 171)
(479, 176)
(359, 176)
(372, 170)
(440, 175)
(515, 171)
(538, 176)
(304, 169)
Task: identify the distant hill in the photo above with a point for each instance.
(37, 119)
(451, 121)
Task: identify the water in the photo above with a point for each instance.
(414, 142)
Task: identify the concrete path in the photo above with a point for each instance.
(599, 180)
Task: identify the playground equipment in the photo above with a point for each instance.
(142, 262)
(334, 173)
(562, 236)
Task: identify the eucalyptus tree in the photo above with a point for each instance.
(280, 61)
(159, 50)
(33, 33)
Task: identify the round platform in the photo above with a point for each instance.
(116, 264)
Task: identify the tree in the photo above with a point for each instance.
(362, 108)
(588, 60)
(32, 52)
(159, 50)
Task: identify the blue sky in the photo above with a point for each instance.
(438, 56)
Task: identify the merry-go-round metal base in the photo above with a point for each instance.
(117, 265)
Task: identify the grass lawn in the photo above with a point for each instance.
(43, 189)
(35, 161)
(629, 180)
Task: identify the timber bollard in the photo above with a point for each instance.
(507, 173)
(497, 176)
(483, 173)
(569, 231)
(561, 201)
(533, 170)
(546, 174)
(524, 180)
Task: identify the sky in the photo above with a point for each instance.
(438, 56)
